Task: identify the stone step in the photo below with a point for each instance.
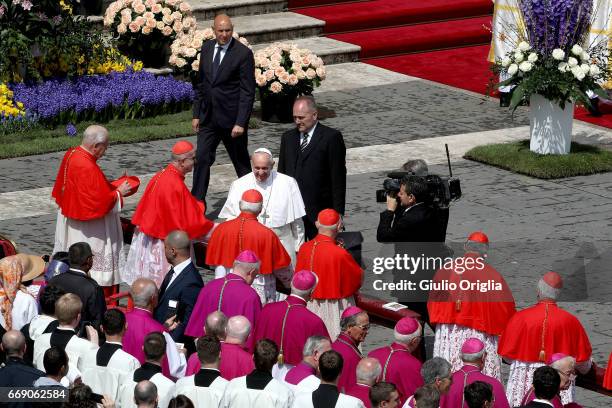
(208, 9)
(273, 27)
(330, 50)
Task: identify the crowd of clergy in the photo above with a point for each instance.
(277, 326)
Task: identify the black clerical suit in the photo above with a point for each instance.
(18, 373)
(88, 290)
(184, 290)
(224, 97)
(320, 171)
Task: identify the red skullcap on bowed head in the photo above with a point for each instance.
(252, 196)
(182, 147)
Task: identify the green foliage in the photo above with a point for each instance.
(516, 157)
(43, 39)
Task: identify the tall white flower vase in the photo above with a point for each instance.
(550, 126)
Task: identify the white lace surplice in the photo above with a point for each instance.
(450, 338)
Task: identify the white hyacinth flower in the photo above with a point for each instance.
(533, 57)
(594, 70)
(585, 68)
(558, 54)
(513, 69)
(578, 74)
(524, 46)
(585, 56)
(526, 66)
(577, 50)
(506, 62)
(572, 62)
(563, 67)
(518, 56)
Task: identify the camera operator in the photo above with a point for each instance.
(408, 218)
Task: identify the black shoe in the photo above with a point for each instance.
(504, 99)
(594, 107)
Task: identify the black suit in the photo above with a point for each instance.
(18, 373)
(91, 294)
(320, 171)
(220, 103)
(184, 290)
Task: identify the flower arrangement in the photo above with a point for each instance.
(185, 50)
(119, 95)
(149, 26)
(42, 39)
(110, 61)
(283, 68)
(8, 108)
(553, 57)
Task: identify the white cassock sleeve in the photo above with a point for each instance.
(231, 209)
(24, 310)
(176, 361)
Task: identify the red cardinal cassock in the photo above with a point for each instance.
(167, 204)
(81, 190)
(607, 383)
(246, 233)
(339, 275)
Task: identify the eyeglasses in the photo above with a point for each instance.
(363, 326)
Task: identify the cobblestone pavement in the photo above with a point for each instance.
(534, 225)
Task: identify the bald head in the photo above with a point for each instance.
(144, 293)
(238, 329)
(177, 246)
(223, 29)
(13, 343)
(216, 325)
(368, 370)
(145, 394)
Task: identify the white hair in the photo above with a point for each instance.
(246, 206)
(238, 327)
(314, 344)
(329, 227)
(368, 374)
(406, 338)
(557, 364)
(472, 357)
(545, 291)
(245, 266)
(143, 298)
(95, 134)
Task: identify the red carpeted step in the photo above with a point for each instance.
(313, 3)
(420, 37)
(386, 13)
(465, 68)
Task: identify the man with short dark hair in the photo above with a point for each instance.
(45, 322)
(145, 394)
(206, 387)
(78, 281)
(258, 388)
(110, 365)
(154, 350)
(384, 395)
(478, 394)
(546, 382)
(328, 395)
(56, 367)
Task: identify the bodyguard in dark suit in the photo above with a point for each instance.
(223, 103)
(315, 156)
(180, 288)
(77, 280)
